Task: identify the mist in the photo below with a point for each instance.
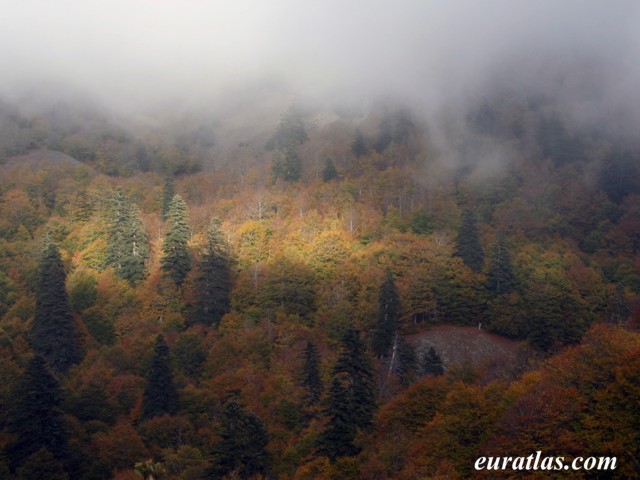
(143, 56)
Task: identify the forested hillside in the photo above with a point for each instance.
(259, 305)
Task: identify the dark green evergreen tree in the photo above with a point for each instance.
(160, 395)
(337, 440)
(168, 193)
(292, 165)
(359, 146)
(291, 131)
(128, 249)
(388, 312)
(329, 172)
(36, 419)
(176, 261)
(351, 402)
(242, 446)
(431, 363)
(53, 331)
(406, 362)
(311, 374)
(213, 283)
(500, 277)
(385, 134)
(468, 245)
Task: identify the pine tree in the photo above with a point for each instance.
(242, 445)
(329, 172)
(431, 363)
(351, 401)
(213, 283)
(388, 312)
(53, 331)
(160, 395)
(128, 249)
(36, 419)
(311, 374)
(176, 261)
(500, 278)
(468, 243)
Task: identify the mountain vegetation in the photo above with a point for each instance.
(169, 309)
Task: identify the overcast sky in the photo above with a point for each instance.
(130, 51)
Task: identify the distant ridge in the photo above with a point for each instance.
(39, 159)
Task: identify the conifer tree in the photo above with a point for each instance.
(53, 331)
(168, 193)
(311, 374)
(431, 363)
(351, 400)
(176, 261)
(160, 395)
(242, 445)
(500, 278)
(329, 172)
(337, 440)
(406, 364)
(128, 249)
(36, 419)
(213, 283)
(388, 312)
(468, 245)
(359, 146)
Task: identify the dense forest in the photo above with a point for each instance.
(189, 301)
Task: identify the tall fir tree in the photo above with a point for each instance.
(176, 261)
(329, 172)
(160, 395)
(359, 147)
(53, 331)
(311, 375)
(36, 419)
(468, 245)
(242, 446)
(128, 249)
(388, 312)
(213, 283)
(168, 192)
(406, 363)
(351, 402)
(500, 277)
(338, 438)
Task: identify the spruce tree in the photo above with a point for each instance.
(431, 363)
(160, 395)
(468, 245)
(351, 401)
(36, 419)
(176, 261)
(128, 249)
(388, 312)
(213, 283)
(242, 445)
(311, 375)
(500, 277)
(53, 331)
